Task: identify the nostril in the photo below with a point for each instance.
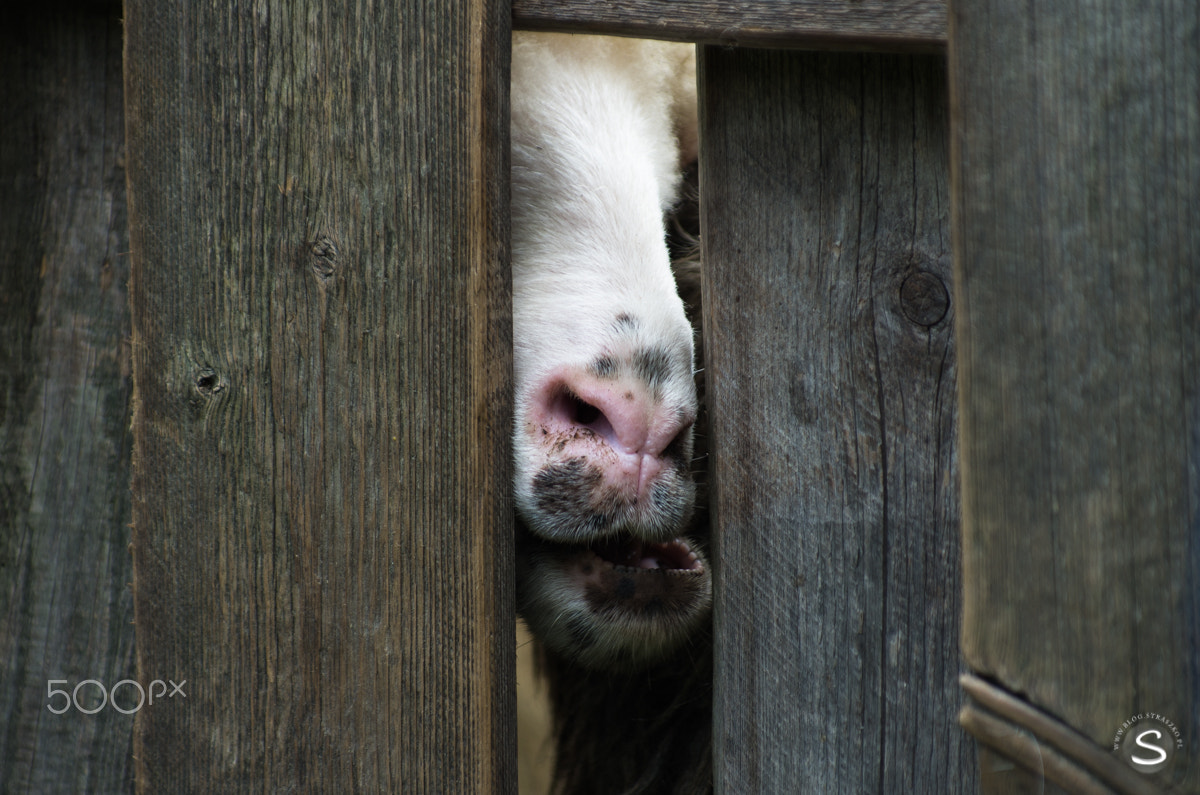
(680, 442)
(576, 412)
(618, 415)
(580, 411)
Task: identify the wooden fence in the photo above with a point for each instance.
(292, 337)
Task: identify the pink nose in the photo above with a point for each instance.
(644, 436)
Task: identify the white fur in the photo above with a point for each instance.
(604, 354)
(595, 163)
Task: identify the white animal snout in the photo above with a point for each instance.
(603, 351)
(619, 444)
(641, 434)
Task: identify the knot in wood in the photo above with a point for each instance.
(208, 383)
(924, 298)
(323, 257)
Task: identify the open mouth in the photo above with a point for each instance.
(617, 601)
(671, 557)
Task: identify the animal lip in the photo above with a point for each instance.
(625, 551)
(615, 602)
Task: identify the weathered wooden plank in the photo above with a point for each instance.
(1076, 161)
(831, 381)
(65, 607)
(1059, 754)
(322, 336)
(881, 25)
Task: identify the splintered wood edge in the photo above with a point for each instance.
(1042, 744)
(860, 26)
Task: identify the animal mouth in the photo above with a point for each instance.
(627, 552)
(615, 602)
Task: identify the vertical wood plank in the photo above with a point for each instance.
(831, 383)
(1076, 162)
(65, 607)
(322, 336)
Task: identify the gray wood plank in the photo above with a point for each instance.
(322, 337)
(882, 25)
(1076, 161)
(831, 378)
(65, 607)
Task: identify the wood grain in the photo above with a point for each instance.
(831, 375)
(1049, 750)
(1076, 162)
(65, 606)
(881, 25)
(322, 337)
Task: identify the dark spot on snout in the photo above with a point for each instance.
(604, 367)
(652, 366)
(626, 323)
(625, 588)
(563, 490)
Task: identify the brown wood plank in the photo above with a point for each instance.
(831, 383)
(65, 607)
(881, 25)
(1076, 162)
(322, 337)
(1043, 746)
